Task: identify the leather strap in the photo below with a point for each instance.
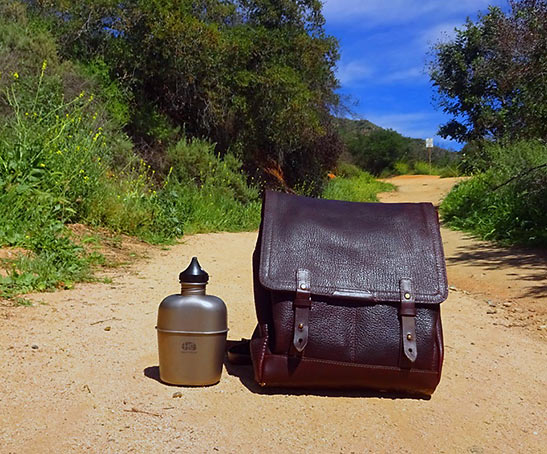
(302, 306)
(407, 312)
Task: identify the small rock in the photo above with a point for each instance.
(177, 394)
(491, 311)
(451, 287)
(491, 303)
(507, 304)
(542, 327)
(107, 328)
(34, 347)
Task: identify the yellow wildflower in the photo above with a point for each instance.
(16, 76)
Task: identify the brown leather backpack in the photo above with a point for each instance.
(348, 295)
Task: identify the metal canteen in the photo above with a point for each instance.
(192, 328)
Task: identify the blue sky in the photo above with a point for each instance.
(384, 47)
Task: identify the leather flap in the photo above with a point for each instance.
(352, 250)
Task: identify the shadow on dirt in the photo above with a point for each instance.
(153, 372)
(531, 263)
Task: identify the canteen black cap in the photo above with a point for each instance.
(194, 273)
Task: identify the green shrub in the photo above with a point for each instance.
(449, 171)
(347, 170)
(204, 192)
(423, 168)
(362, 188)
(401, 168)
(59, 165)
(508, 202)
(113, 96)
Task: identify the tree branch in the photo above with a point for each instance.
(520, 175)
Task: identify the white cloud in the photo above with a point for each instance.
(404, 75)
(399, 11)
(411, 124)
(439, 33)
(353, 71)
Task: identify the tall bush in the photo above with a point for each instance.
(508, 202)
(255, 77)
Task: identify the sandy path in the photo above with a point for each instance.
(87, 389)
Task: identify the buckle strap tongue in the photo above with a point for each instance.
(302, 305)
(407, 311)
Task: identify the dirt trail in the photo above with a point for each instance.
(83, 388)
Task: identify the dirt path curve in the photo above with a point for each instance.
(79, 370)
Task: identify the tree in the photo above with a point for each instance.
(379, 149)
(254, 76)
(492, 77)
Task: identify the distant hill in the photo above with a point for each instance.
(362, 126)
(376, 149)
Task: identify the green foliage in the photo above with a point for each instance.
(386, 152)
(256, 76)
(378, 150)
(449, 171)
(360, 188)
(347, 170)
(508, 202)
(53, 159)
(195, 161)
(423, 168)
(491, 77)
(401, 168)
(65, 160)
(23, 48)
(206, 192)
(114, 97)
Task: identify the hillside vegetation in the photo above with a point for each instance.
(82, 142)
(491, 79)
(386, 152)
